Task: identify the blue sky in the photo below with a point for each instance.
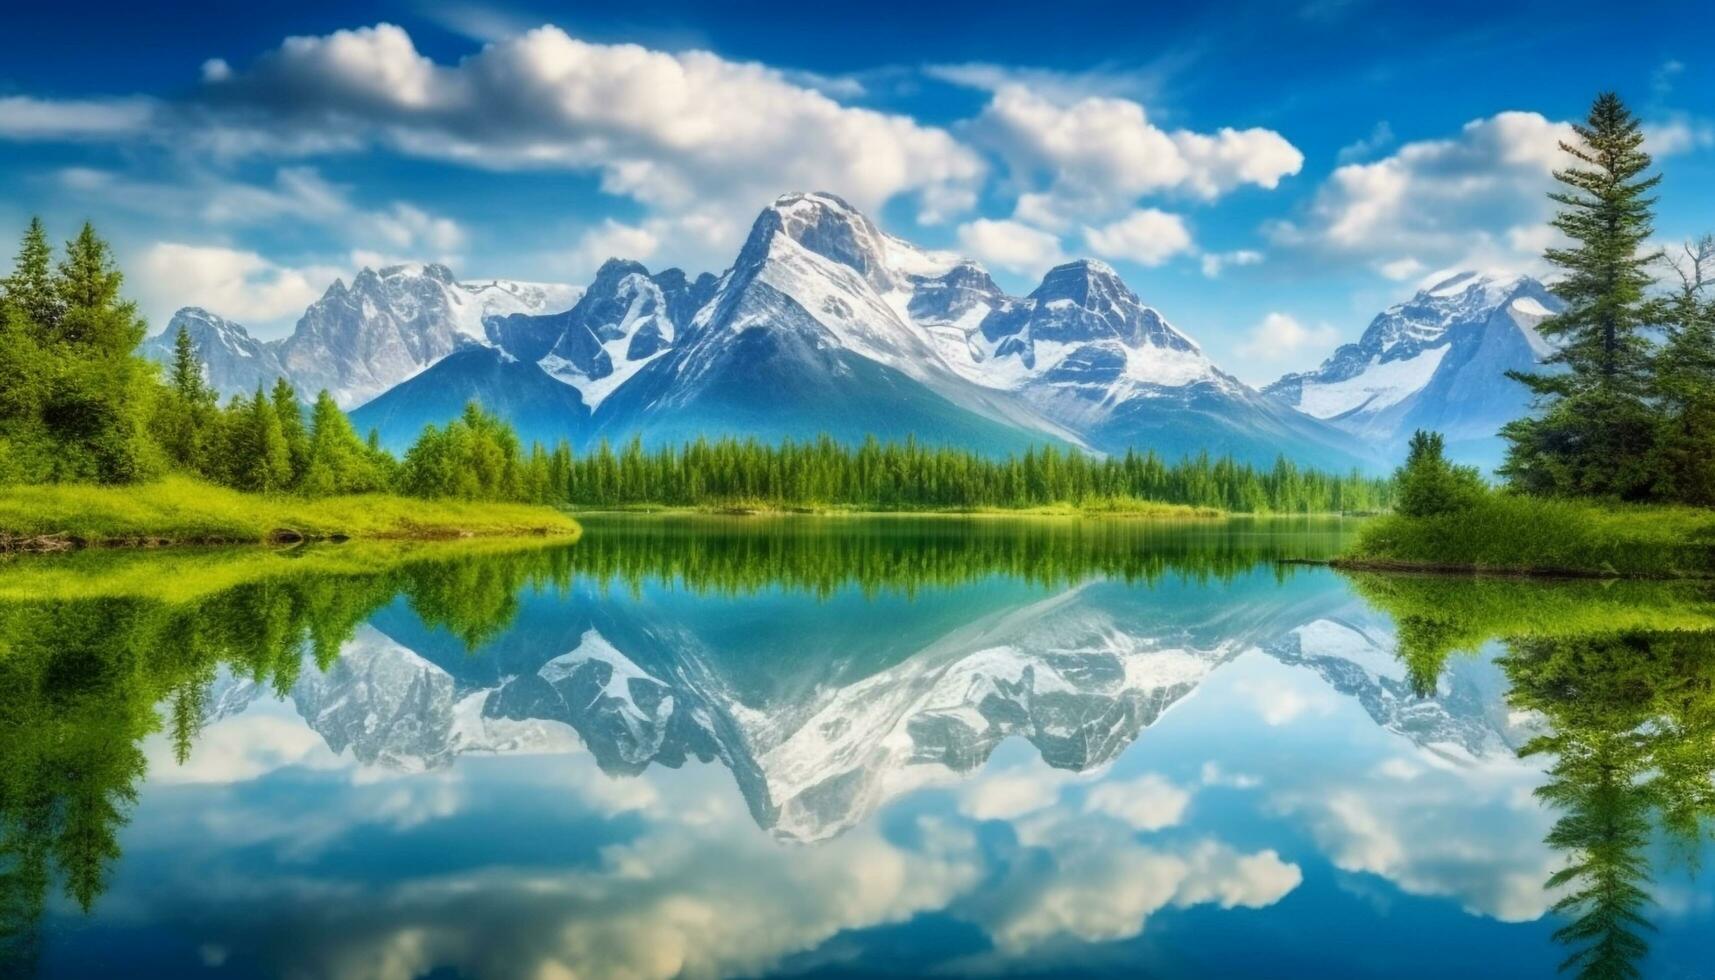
(1269, 175)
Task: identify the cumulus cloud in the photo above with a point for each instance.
(1678, 136)
(1096, 155)
(1281, 339)
(235, 283)
(1011, 245)
(613, 239)
(1147, 236)
(1476, 199)
(690, 134)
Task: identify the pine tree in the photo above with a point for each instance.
(99, 403)
(257, 458)
(187, 377)
(1594, 433)
(297, 438)
(29, 300)
(32, 287)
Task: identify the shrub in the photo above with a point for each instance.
(1428, 484)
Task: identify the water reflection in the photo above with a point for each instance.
(732, 747)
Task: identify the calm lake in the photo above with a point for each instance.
(849, 747)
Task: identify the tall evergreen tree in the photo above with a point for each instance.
(1594, 432)
(257, 457)
(187, 377)
(98, 404)
(32, 287)
(291, 416)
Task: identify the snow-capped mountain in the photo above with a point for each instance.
(233, 361)
(1085, 351)
(824, 324)
(547, 372)
(808, 333)
(360, 340)
(1436, 361)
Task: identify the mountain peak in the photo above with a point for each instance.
(1494, 287)
(1083, 281)
(826, 225)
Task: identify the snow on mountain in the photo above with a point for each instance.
(805, 335)
(824, 324)
(233, 361)
(478, 302)
(360, 340)
(1436, 361)
(625, 319)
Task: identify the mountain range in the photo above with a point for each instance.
(826, 324)
(1436, 361)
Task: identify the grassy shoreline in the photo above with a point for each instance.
(180, 511)
(1507, 535)
(1140, 509)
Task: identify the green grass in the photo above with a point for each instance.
(181, 575)
(179, 510)
(1508, 534)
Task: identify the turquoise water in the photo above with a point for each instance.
(890, 747)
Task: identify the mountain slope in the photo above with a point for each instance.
(540, 408)
(801, 338)
(1436, 361)
(360, 340)
(233, 361)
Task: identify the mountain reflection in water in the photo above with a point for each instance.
(396, 760)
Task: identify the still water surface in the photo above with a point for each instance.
(715, 747)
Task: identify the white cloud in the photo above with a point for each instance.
(612, 240)
(1439, 202)
(1148, 802)
(1146, 236)
(407, 226)
(1214, 263)
(1400, 270)
(25, 118)
(1476, 200)
(1678, 136)
(1095, 156)
(691, 135)
(1011, 245)
(235, 283)
(1281, 339)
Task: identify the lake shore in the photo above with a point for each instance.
(1516, 536)
(179, 511)
(1139, 509)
